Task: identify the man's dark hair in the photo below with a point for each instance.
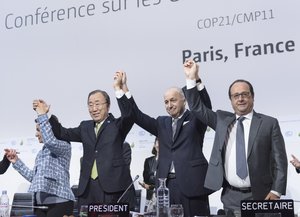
(241, 80)
(106, 96)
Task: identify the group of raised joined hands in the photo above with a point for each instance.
(41, 107)
(191, 70)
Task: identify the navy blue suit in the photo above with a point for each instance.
(107, 148)
(185, 150)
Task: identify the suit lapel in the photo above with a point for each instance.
(255, 124)
(104, 125)
(224, 134)
(168, 122)
(91, 131)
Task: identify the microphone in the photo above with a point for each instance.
(29, 206)
(136, 178)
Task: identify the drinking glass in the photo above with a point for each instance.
(176, 210)
(83, 211)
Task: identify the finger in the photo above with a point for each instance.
(120, 72)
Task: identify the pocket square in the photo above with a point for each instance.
(185, 122)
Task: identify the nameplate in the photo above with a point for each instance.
(267, 208)
(108, 210)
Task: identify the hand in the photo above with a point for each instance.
(11, 155)
(272, 196)
(118, 80)
(124, 83)
(295, 162)
(144, 185)
(40, 106)
(191, 69)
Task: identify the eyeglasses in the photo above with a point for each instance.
(97, 105)
(244, 95)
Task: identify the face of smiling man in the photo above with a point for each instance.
(98, 107)
(174, 102)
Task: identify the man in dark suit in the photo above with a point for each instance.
(180, 159)
(265, 156)
(104, 173)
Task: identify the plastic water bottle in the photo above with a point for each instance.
(163, 199)
(4, 204)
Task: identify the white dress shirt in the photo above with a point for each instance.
(230, 154)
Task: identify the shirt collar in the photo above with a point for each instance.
(101, 122)
(247, 116)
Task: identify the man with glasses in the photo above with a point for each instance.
(248, 158)
(104, 174)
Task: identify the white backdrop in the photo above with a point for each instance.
(61, 50)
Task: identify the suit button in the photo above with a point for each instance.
(96, 151)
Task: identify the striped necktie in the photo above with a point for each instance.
(174, 126)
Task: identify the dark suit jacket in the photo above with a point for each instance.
(113, 170)
(4, 164)
(267, 160)
(149, 172)
(127, 153)
(185, 151)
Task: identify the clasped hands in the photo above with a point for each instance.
(40, 106)
(11, 155)
(120, 81)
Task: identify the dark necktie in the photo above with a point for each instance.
(241, 162)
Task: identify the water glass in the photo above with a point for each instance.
(176, 210)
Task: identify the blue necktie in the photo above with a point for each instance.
(241, 162)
